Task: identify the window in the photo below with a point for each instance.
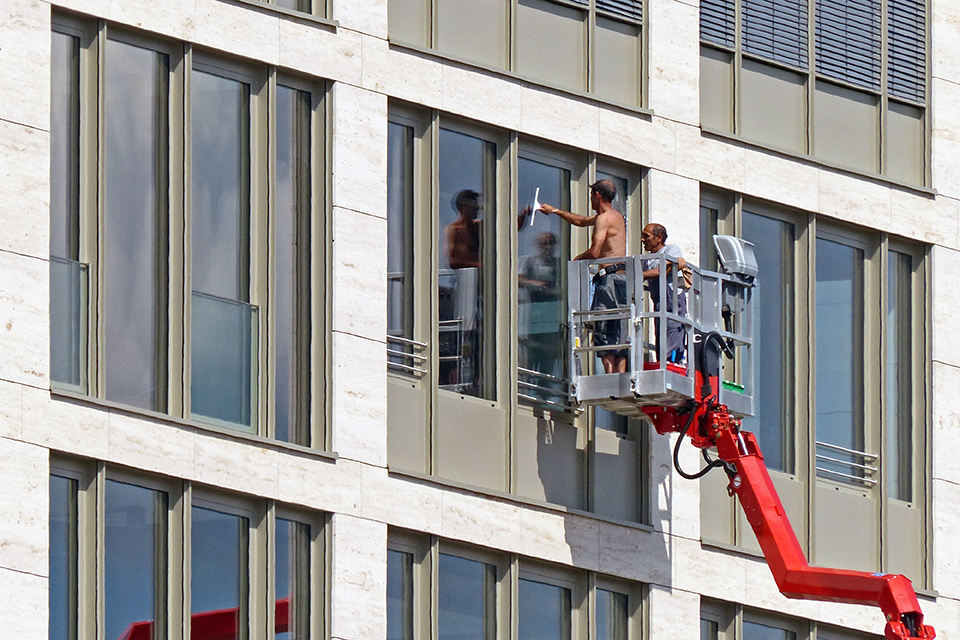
(476, 313)
(727, 621)
(133, 544)
(570, 44)
(864, 81)
(197, 152)
(469, 589)
(839, 356)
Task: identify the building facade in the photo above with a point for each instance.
(283, 346)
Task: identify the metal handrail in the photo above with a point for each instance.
(408, 341)
(533, 372)
(836, 447)
(855, 465)
(867, 481)
(411, 359)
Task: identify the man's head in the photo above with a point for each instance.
(654, 236)
(603, 189)
(547, 244)
(468, 203)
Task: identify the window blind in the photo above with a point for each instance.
(717, 20)
(630, 10)
(906, 49)
(776, 30)
(848, 41)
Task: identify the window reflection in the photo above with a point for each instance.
(709, 630)
(399, 230)
(839, 340)
(773, 247)
(466, 193)
(291, 261)
(135, 176)
(542, 257)
(757, 631)
(134, 559)
(64, 146)
(899, 376)
(399, 595)
(467, 600)
(611, 615)
(292, 563)
(63, 559)
(543, 611)
(219, 581)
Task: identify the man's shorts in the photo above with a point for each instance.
(610, 292)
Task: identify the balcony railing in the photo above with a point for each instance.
(846, 465)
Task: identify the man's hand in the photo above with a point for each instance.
(548, 208)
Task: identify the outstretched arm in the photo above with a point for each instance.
(572, 218)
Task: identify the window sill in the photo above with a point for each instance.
(437, 56)
(793, 155)
(442, 483)
(197, 427)
(273, 9)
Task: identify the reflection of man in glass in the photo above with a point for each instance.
(459, 292)
(462, 236)
(610, 284)
(541, 317)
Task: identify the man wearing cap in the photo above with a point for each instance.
(609, 241)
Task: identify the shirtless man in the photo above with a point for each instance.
(609, 241)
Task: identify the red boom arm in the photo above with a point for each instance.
(749, 480)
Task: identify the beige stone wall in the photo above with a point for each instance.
(356, 487)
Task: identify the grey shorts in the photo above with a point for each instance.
(610, 292)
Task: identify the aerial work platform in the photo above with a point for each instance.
(717, 303)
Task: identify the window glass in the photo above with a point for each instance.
(543, 253)
(773, 302)
(292, 580)
(134, 559)
(223, 326)
(63, 559)
(839, 360)
(68, 277)
(899, 377)
(291, 260)
(399, 595)
(709, 630)
(611, 615)
(757, 631)
(467, 600)
(219, 580)
(399, 230)
(543, 611)
(296, 5)
(467, 213)
(134, 219)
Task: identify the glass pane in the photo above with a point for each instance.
(63, 559)
(542, 246)
(399, 595)
(64, 146)
(709, 227)
(467, 184)
(621, 202)
(291, 262)
(400, 231)
(899, 377)
(839, 339)
(134, 560)
(68, 324)
(611, 615)
(709, 630)
(293, 580)
(220, 198)
(773, 302)
(467, 602)
(543, 611)
(296, 5)
(218, 586)
(756, 631)
(134, 219)
(223, 367)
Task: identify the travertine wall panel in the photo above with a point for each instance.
(359, 578)
(709, 160)
(25, 188)
(24, 320)
(946, 412)
(946, 551)
(359, 399)
(11, 409)
(176, 20)
(925, 218)
(945, 115)
(151, 445)
(674, 60)
(320, 51)
(321, 484)
(239, 30)
(772, 177)
(479, 520)
(359, 274)
(400, 502)
(674, 614)
(25, 34)
(366, 16)
(481, 96)
(560, 118)
(400, 74)
(855, 201)
(64, 425)
(23, 508)
(650, 142)
(24, 602)
(675, 203)
(635, 554)
(946, 298)
(559, 537)
(236, 465)
(359, 150)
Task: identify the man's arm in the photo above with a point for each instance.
(596, 245)
(572, 218)
(655, 272)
